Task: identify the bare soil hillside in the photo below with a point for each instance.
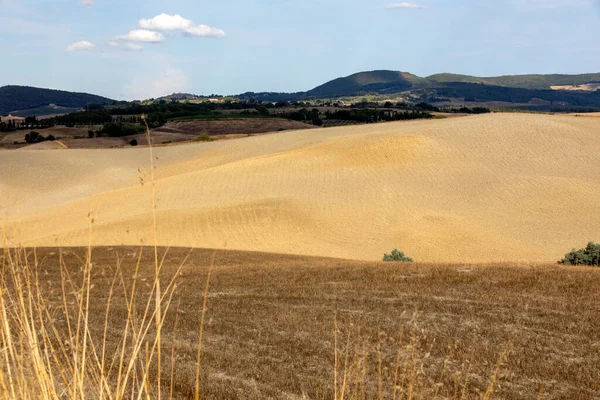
(495, 187)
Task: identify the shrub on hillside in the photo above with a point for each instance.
(133, 142)
(34, 137)
(50, 138)
(397, 256)
(588, 256)
(203, 138)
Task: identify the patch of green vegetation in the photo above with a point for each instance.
(203, 138)
(397, 256)
(587, 256)
(112, 129)
(45, 111)
(36, 137)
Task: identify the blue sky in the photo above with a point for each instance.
(119, 49)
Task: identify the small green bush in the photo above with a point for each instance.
(34, 137)
(588, 256)
(203, 138)
(50, 138)
(133, 142)
(397, 256)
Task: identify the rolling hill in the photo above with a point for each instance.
(495, 187)
(539, 90)
(537, 82)
(23, 98)
(374, 81)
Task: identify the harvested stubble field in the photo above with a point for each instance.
(274, 322)
(229, 126)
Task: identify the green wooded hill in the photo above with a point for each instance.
(537, 82)
(526, 90)
(21, 98)
(383, 81)
(374, 81)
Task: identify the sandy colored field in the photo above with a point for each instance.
(585, 87)
(269, 331)
(483, 188)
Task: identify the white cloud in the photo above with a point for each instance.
(142, 35)
(405, 5)
(171, 80)
(205, 31)
(87, 3)
(80, 46)
(166, 22)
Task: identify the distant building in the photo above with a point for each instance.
(9, 117)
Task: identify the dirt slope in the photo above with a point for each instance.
(48, 145)
(483, 188)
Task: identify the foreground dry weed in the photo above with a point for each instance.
(81, 324)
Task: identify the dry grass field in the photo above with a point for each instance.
(172, 132)
(67, 136)
(239, 126)
(292, 327)
(499, 187)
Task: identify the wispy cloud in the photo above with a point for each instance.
(412, 6)
(204, 31)
(127, 46)
(166, 22)
(87, 3)
(80, 46)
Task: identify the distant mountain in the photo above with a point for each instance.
(536, 91)
(374, 81)
(23, 98)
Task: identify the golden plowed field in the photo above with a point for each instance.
(498, 187)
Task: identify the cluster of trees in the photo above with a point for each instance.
(371, 115)
(119, 129)
(467, 110)
(304, 115)
(366, 115)
(36, 137)
(587, 256)
(9, 126)
(93, 117)
(28, 123)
